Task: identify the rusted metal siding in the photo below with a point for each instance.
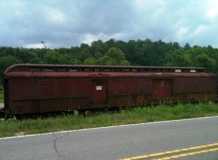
(21, 95)
(162, 88)
(62, 89)
(194, 85)
(128, 91)
(48, 94)
(99, 91)
(65, 94)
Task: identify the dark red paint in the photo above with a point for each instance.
(50, 88)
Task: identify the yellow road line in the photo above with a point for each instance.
(188, 154)
(178, 153)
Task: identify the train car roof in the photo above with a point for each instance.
(106, 74)
(103, 68)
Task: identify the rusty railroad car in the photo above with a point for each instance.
(31, 88)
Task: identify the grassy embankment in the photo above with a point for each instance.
(13, 127)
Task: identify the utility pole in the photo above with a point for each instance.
(43, 44)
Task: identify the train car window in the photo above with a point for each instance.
(96, 69)
(73, 70)
(62, 70)
(48, 70)
(35, 69)
(87, 69)
(107, 70)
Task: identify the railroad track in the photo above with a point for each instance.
(53, 114)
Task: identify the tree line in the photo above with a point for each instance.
(116, 52)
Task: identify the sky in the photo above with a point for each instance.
(66, 23)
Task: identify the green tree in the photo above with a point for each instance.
(90, 60)
(54, 57)
(6, 61)
(114, 56)
(203, 60)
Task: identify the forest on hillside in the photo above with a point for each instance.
(133, 52)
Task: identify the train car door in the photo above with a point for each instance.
(99, 92)
(161, 88)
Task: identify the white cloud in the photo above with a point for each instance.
(212, 11)
(34, 45)
(55, 16)
(69, 23)
(89, 38)
(146, 4)
(199, 30)
(182, 31)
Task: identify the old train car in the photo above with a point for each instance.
(31, 88)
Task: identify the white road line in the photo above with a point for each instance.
(107, 127)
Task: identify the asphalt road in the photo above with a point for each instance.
(114, 142)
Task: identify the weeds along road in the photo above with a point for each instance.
(111, 143)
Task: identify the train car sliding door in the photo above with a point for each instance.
(99, 92)
(161, 88)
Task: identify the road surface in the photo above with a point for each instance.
(114, 142)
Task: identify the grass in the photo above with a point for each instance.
(11, 127)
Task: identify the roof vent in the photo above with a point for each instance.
(192, 70)
(178, 70)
